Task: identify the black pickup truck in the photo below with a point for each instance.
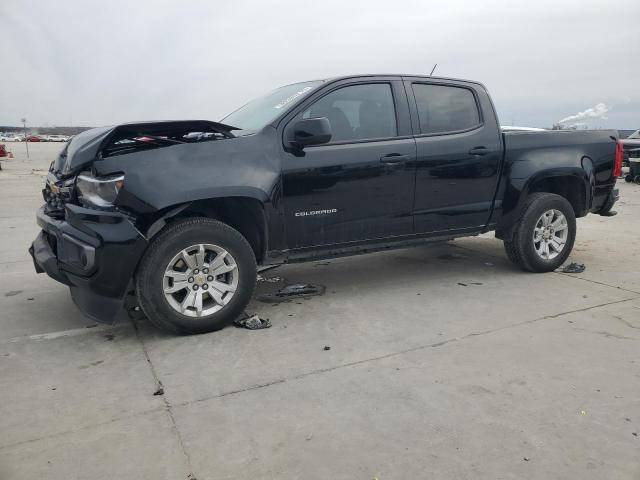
(181, 212)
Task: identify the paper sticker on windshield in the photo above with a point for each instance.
(292, 97)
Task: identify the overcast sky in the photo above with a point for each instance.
(85, 62)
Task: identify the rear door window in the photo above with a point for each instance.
(445, 109)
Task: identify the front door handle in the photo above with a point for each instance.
(479, 151)
(394, 158)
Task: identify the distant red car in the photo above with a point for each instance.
(34, 138)
(3, 151)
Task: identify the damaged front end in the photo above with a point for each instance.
(103, 142)
(89, 240)
(138, 137)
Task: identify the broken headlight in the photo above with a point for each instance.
(99, 191)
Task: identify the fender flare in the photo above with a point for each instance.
(169, 212)
(521, 188)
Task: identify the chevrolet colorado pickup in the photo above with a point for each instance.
(180, 213)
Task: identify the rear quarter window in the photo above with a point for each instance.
(445, 109)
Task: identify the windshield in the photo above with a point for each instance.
(262, 110)
(635, 134)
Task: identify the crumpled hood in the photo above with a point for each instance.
(84, 148)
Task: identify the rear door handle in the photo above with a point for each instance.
(479, 151)
(394, 158)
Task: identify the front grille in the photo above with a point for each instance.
(55, 195)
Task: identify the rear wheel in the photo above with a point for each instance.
(543, 239)
(197, 276)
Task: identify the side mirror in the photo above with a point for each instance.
(309, 131)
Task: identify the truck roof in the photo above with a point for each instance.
(346, 77)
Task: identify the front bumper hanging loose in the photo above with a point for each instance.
(94, 252)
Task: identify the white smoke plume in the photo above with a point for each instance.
(599, 111)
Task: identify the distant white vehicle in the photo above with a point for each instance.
(10, 137)
(508, 128)
(57, 138)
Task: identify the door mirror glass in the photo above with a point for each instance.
(309, 131)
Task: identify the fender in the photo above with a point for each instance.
(157, 220)
(518, 189)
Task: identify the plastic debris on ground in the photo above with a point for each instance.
(574, 268)
(269, 280)
(264, 268)
(289, 292)
(300, 289)
(133, 309)
(253, 322)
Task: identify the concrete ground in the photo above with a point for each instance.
(445, 362)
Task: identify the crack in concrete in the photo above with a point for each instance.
(558, 273)
(395, 354)
(606, 334)
(167, 405)
(7, 446)
(626, 322)
(73, 332)
(597, 283)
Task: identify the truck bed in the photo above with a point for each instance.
(558, 151)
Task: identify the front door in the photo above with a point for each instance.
(360, 185)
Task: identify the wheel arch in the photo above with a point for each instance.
(573, 184)
(246, 214)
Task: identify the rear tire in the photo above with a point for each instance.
(177, 291)
(548, 220)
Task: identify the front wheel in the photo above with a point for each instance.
(543, 239)
(197, 276)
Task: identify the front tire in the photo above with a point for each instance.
(197, 276)
(544, 237)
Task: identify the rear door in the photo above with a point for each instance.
(459, 151)
(360, 185)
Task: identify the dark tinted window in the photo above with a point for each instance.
(445, 109)
(357, 112)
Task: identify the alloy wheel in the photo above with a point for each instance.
(200, 280)
(550, 234)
